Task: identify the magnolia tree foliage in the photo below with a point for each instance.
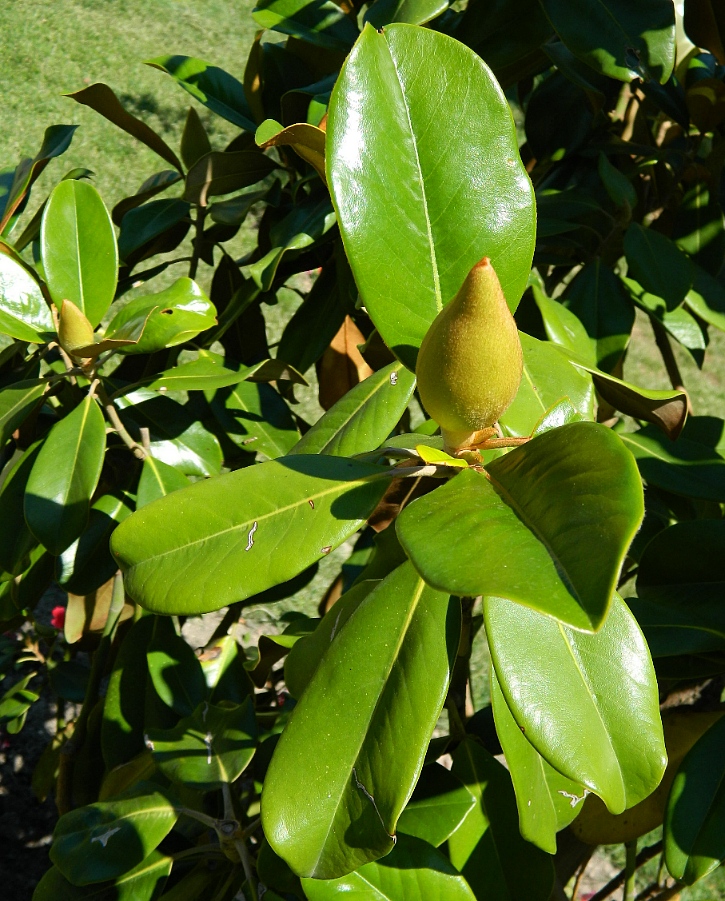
(157, 465)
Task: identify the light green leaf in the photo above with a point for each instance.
(354, 747)
(78, 248)
(549, 527)
(438, 806)
(546, 800)
(24, 314)
(239, 529)
(487, 848)
(413, 12)
(322, 23)
(64, 477)
(413, 870)
(201, 375)
(157, 480)
(105, 840)
(614, 746)
(173, 316)
(405, 177)
(618, 38)
(212, 746)
(362, 419)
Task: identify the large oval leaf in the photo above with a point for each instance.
(244, 532)
(64, 477)
(256, 418)
(78, 247)
(614, 744)
(24, 314)
(105, 840)
(353, 750)
(413, 870)
(142, 883)
(487, 847)
(426, 178)
(362, 419)
(549, 526)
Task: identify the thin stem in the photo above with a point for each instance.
(668, 358)
(580, 875)
(630, 870)
(644, 855)
(198, 238)
(115, 420)
(246, 860)
(668, 893)
(199, 816)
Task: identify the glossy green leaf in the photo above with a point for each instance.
(680, 582)
(320, 22)
(680, 322)
(255, 418)
(24, 314)
(699, 227)
(487, 848)
(173, 316)
(16, 403)
(175, 671)
(413, 870)
(87, 563)
(155, 184)
(617, 38)
(547, 377)
(107, 839)
(354, 747)
(212, 746)
(210, 85)
(620, 189)
(306, 654)
(665, 409)
(307, 141)
(597, 298)
(16, 539)
(657, 264)
(157, 480)
(238, 530)
(695, 816)
(223, 666)
(707, 298)
(683, 466)
(101, 98)
(56, 140)
(78, 247)
(207, 372)
(413, 12)
(427, 214)
(562, 326)
(437, 807)
(546, 800)
(64, 477)
(614, 746)
(221, 173)
(548, 526)
(143, 883)
(362, 419)
(177, 438)
(147, 221)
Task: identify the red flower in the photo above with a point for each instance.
(57, 618)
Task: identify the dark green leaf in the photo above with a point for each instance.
(24, 314)
(256, 418)
(153, 185)
(213, 87)
(143, 883)
(699, 227)
(212, 746)
(620, 189)
(352, 752)
(362, 419)
(175, 671)
(78, 247)
(414, 213)
(16, 540)
(207, 372)
(413, 870)
(221, 173)
(657, 264)
(107, 839)
(173, 316)
(413, 12)
(309, 503)
(64, 477)
(707, 298)
(320, 22)
(549, 527)
(145, 222)
(16, 402)
(618, 38)
(194, 139)
(614, 746)
(437, 807)
(695, 817)
(102, 99)
(487, 848)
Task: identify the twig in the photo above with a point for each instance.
(580, 875)
(644, 855)
(198, 237)
(630, 870)
(246, 860)
(115, 420)
(668, 358)
(668, 893)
